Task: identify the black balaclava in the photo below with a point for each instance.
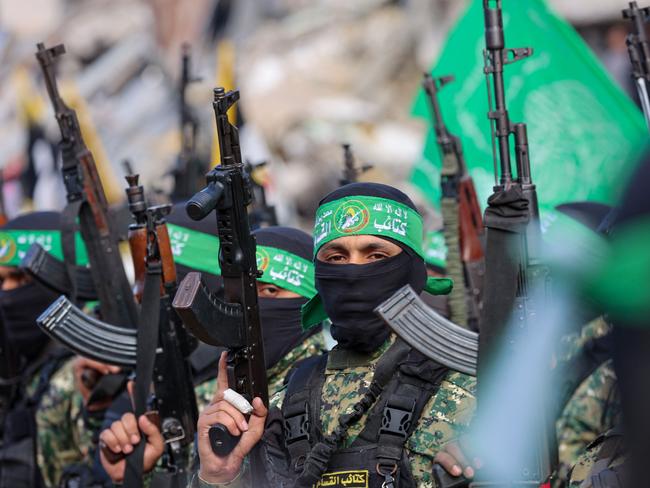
(21, 306)
(351, 292)
(280, 317)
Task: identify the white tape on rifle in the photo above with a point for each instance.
(237, 401)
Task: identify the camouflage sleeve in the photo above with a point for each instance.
(593, 409)
(582, 468)
(60, 441)
(446, 417)
(204, 393)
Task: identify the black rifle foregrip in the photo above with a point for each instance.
(445, 480)
(204, 202)
(222, 441)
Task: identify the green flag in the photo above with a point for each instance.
(585, 133)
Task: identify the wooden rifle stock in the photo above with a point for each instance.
(138, 246)
(470, 221)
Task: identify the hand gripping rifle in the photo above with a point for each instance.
(189, 169)
(461, 214)
(638, 48)
(87, 201)
(351, 171)
(234, 322)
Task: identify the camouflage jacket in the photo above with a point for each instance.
(607, 452)
(65, 433)
(314, 345)
(445, 417)
(593, 409)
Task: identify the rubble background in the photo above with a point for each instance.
(312, 74)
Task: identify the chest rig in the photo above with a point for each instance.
(376, 458)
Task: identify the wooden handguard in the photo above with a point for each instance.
(138, 246)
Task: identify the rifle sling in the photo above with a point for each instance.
(146, 350)
(506, 218)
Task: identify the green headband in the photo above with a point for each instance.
(435, 249)
(364, 215)
(286, 270)
(14, 244)
(200, 251)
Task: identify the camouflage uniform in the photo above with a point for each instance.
(314, 345)
(606, 452)
(571, 344)
(65, 433)
(593, 409)
(444, 418)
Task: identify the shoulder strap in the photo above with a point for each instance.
(395, 415)
(301, 408)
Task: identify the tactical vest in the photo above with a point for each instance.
(18, 467)
(377, 456)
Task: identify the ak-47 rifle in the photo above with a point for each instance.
(351, 171)
(638, 47)
(515, 279)
(87, 201)
(164, 346)
(189, 170)
(233, 323)
(462, 217)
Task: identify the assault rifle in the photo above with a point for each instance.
(461, 214)
(87, 201)
(234, 322)
(160, 336)
(189, 169)
(514, 269)
(163, 346)
(351, 171)
(638, 48)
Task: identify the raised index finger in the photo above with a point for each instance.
(222, 378)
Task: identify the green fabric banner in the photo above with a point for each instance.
(585, 133)
(14, 244)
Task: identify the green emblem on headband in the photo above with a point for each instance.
(351, 216)
(14, 244)
(8, 249)
(363, 215)
(286, 270)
